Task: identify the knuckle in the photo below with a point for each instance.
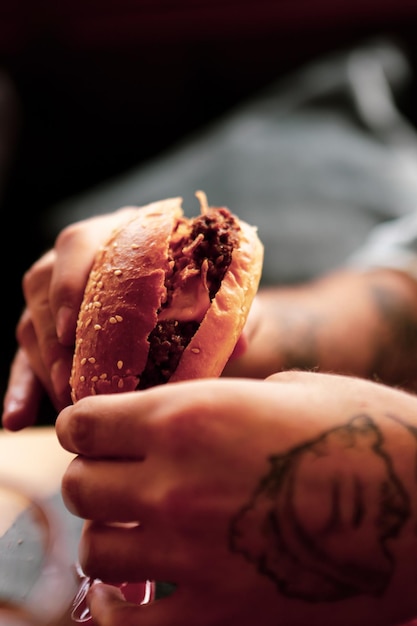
(80, 430)
(37, 274)
(24, 328)
(175, 504)
(90, 550)
(30, 278)
(70, 488)
(67, 235)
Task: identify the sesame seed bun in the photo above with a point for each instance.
(145, 280)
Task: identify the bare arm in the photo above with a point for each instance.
(349, 322)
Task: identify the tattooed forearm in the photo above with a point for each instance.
(298, 340)
(320, 522)
(395, 358)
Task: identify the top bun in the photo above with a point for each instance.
(168, 284)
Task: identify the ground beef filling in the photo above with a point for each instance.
(216, 233)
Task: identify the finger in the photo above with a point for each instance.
(36, 283)
(37, 332)
(23, 394)
(56, 380)
(27, 340)
(107, 425)
(134, 553)
(91, 490)
(130, 424)
(108, 608)
(76, 247)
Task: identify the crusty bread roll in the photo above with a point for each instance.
(166, 299)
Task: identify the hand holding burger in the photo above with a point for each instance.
(54, 286)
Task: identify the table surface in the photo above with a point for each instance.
(34, 457)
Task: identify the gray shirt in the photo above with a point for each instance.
(317, 162)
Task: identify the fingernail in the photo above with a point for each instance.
(63, 320)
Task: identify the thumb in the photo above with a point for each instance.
(108, 606)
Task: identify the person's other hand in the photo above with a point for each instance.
(53, 289)
(287, 501)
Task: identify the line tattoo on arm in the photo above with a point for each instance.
(320, 521)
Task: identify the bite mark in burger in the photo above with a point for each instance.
(166, 299)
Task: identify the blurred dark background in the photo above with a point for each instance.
(90, 89)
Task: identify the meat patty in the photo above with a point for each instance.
(200, 258)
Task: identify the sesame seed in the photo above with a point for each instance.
(103, 376)
(119, 365)
(91, 359)
(83, 360)
(134, 246)
(97, 304)
(119, 318)
(82, 379)
(88, 322)
(100, 284)
(195, 350)
(94, 379)
(112, 320)
(120, 383)
(117, 272)
(97, 327)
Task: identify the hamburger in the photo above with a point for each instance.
(166, 299)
